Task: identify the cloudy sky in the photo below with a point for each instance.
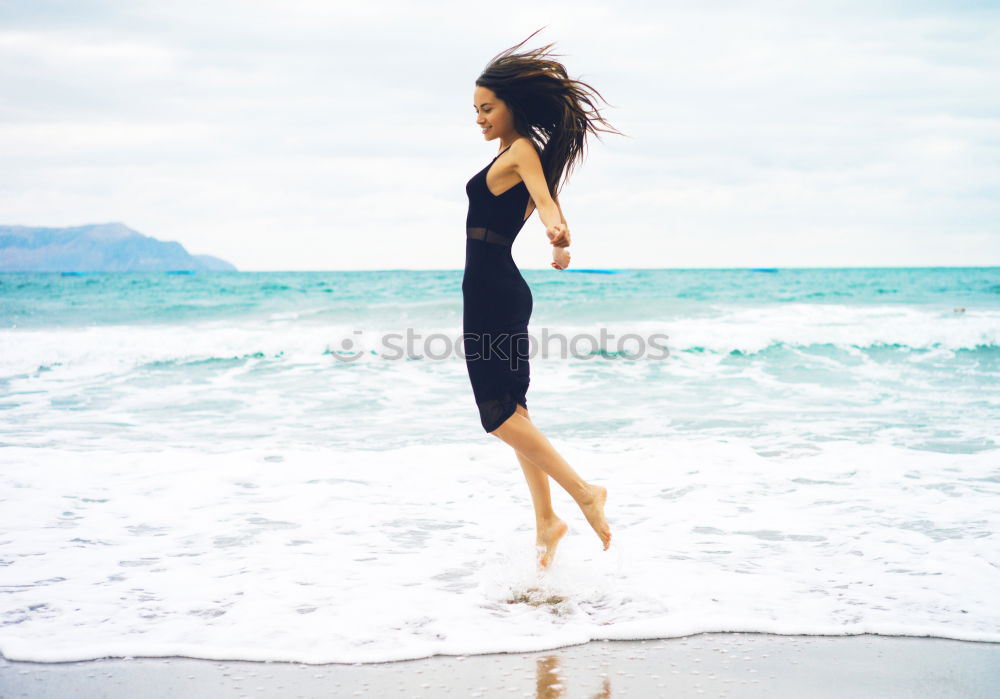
(321, 134)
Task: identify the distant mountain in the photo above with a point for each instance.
(99, 247)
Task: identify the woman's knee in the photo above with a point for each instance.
(514, 429)
(508, 425)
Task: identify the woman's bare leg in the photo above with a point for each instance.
(526, 439)
(549, 528)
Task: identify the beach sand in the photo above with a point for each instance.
(713, 664)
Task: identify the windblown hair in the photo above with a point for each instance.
(552, 110)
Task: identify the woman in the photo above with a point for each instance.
(540, 118)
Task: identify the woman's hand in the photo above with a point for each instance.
(560, 258)
(558, 235)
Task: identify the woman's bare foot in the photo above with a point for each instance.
(593, 508)
(548, 538)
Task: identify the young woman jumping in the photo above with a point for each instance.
(540, 117)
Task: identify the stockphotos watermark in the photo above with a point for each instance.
(503, 346)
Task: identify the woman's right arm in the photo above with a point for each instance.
(559, 238)
(528, 166)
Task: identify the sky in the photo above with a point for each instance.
(328, 135)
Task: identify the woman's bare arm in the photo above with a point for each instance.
(556, 200)
(528, 166)
(560, 253)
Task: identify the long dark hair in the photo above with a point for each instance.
(551, 109)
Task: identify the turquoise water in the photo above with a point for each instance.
(53, 299)
(238, 462)
(778, 339)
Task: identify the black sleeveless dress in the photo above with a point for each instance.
(497, 301)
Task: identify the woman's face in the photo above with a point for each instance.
(492, 115)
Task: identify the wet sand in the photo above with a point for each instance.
(744, 665)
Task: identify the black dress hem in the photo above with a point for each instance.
(493, 413)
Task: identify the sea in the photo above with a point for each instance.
(289, 466)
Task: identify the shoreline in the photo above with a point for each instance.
(720, 664)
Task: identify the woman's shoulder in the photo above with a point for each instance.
(524, 151)
(525, 144)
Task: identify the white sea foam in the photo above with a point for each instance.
(726, 329)
(347, 556)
